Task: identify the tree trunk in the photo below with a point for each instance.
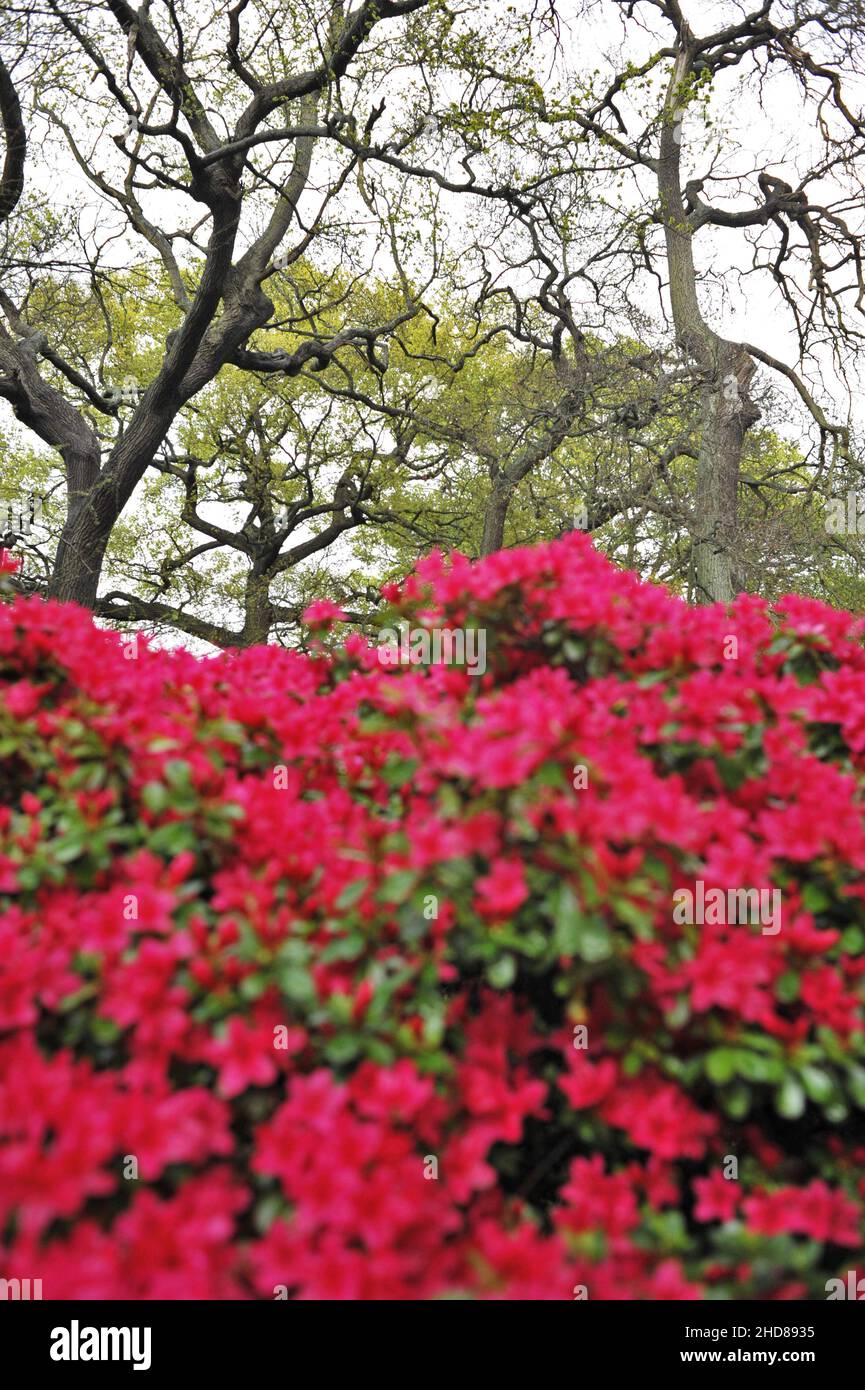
(258, 610)
(80, 555)
(495, 516)
(726, 368)
(727, 414)
(196, 352)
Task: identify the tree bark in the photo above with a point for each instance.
(727, 414)
(495, 516)
(726, 367)
(258, 610)
(79, 559)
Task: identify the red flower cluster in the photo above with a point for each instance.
(328, 978)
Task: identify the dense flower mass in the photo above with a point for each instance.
(328, 978)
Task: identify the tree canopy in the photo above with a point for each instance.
(292, 293)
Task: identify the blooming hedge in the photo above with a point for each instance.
(322, 978)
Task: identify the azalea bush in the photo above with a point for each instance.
(329, 978)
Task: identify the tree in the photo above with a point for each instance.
(372, 223)
(249, 133)
(808, 232)
(665, 181)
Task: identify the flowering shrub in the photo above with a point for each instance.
(328, 979)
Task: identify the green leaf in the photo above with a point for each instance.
(836, 1113)
(449, 800)
(790, 1099)
(595, 941)
(633, 1064)
(350, 895)
(502, 973)
(266, 1210)
(819, 1085)
(71, 1001)
(296, 984)
(380, 1052)
(344, 948)
(253, 986)
(815, 899)
(397, 887)
(787, 986)
(853, 941)
(578, 933)
(339, 1006)
(755, 1067)
(173, 838)
(856, 1085)
(162, 745)
(156, 797)
(177, 773)
(567, 923)
(639, 919)
(65, 850)
(679, 1014)
(721, 1065)
(399, 771)
(341, 1049)
(737, 1101)
(104, 1030)
(533, 944)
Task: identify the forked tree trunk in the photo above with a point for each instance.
(727, 410)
